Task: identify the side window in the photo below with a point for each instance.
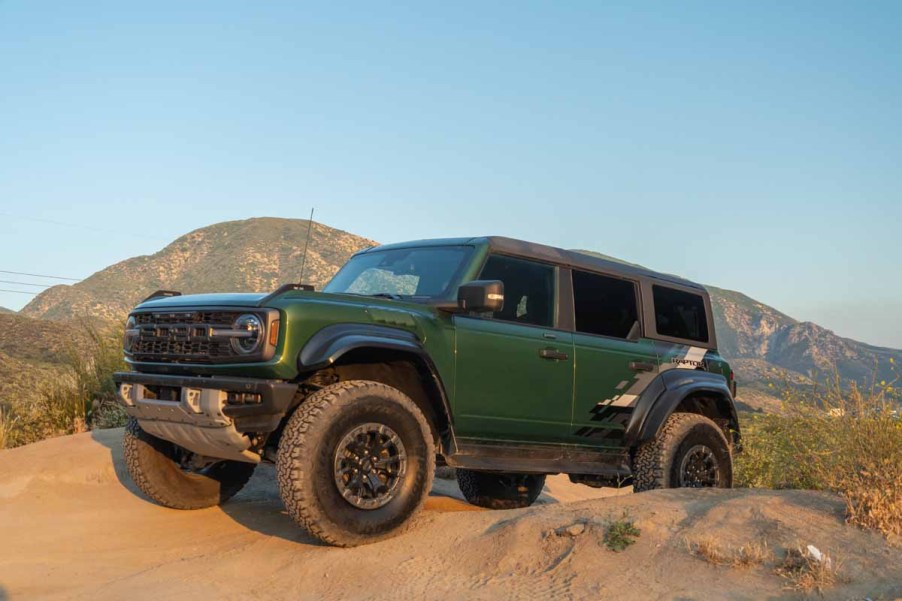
(604, 305)
(680, 314)
(528, 289)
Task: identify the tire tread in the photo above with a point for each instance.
(291, 464)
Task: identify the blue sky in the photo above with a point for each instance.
(751, 146)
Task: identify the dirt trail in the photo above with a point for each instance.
(73, 527)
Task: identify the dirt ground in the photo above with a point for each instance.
(72, 526)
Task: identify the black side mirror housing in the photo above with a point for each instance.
(481, 296)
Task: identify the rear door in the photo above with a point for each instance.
(514, 376)
(614, 363)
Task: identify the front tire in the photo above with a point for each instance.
(690, 451)
(156, 467)
(496, 490)
(355, 463)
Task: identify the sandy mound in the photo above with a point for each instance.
(72, 526)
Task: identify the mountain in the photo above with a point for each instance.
(4, 310)
(761, 341)
(253, 255)
(764, 345)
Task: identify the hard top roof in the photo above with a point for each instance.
(551, 254)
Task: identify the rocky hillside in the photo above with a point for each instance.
(252, 255)
(764, 344)
(768, 345)
(5, 310)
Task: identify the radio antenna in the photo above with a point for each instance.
(306, 244)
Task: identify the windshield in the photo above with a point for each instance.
(426, 272)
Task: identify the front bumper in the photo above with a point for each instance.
(209, 416)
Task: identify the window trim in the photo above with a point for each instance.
(651, 319)
(640, 314)
(559, 310)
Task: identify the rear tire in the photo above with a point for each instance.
(496, 490)
(156, 468)
(690, 451)
(355, 463)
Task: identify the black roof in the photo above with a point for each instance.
(580, 260)
(551, 254)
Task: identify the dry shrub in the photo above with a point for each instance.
(747, 555)
(82, 398)
(750, 554)
(807, 573)
(839, 438)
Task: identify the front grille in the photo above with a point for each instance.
(213, 318)
(184, 336)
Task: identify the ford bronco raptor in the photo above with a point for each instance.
(503, 359)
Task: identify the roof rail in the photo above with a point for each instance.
(162, 294)
(282, 290)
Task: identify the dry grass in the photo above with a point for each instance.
(747, 555)
(7, 423)
(803, 569)
(80, 399)
(807, 573)
(840, 438)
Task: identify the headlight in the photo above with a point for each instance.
(249, 334)
(131, 335)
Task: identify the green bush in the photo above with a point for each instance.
(621, 533)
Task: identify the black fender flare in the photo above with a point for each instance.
(664, 395)
(329, 344)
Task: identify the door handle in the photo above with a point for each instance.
(642, 366)
(553, 354)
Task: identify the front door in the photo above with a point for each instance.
(514, 370)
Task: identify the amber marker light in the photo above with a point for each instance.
(274, 333)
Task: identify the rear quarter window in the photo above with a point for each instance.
(680, 314)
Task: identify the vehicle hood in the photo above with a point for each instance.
(232, 299)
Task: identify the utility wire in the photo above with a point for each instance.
(78, 226)
(38, 275)
(25, 283)
(19, 291)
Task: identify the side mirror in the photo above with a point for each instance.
(481, 296)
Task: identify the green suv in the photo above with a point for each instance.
(504, 359)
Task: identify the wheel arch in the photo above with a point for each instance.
(685, 391)
(388, 355)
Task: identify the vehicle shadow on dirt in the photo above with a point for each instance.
(258, 506)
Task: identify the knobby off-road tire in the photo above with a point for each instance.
(494, 490)
(155, 467)
(315, 441)
(689, 451)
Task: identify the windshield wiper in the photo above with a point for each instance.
(387, 295)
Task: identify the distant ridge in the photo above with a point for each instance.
(252, 255)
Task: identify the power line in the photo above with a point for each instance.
(78, 226)
(38, 275)
(19, 291)
(25, 283)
